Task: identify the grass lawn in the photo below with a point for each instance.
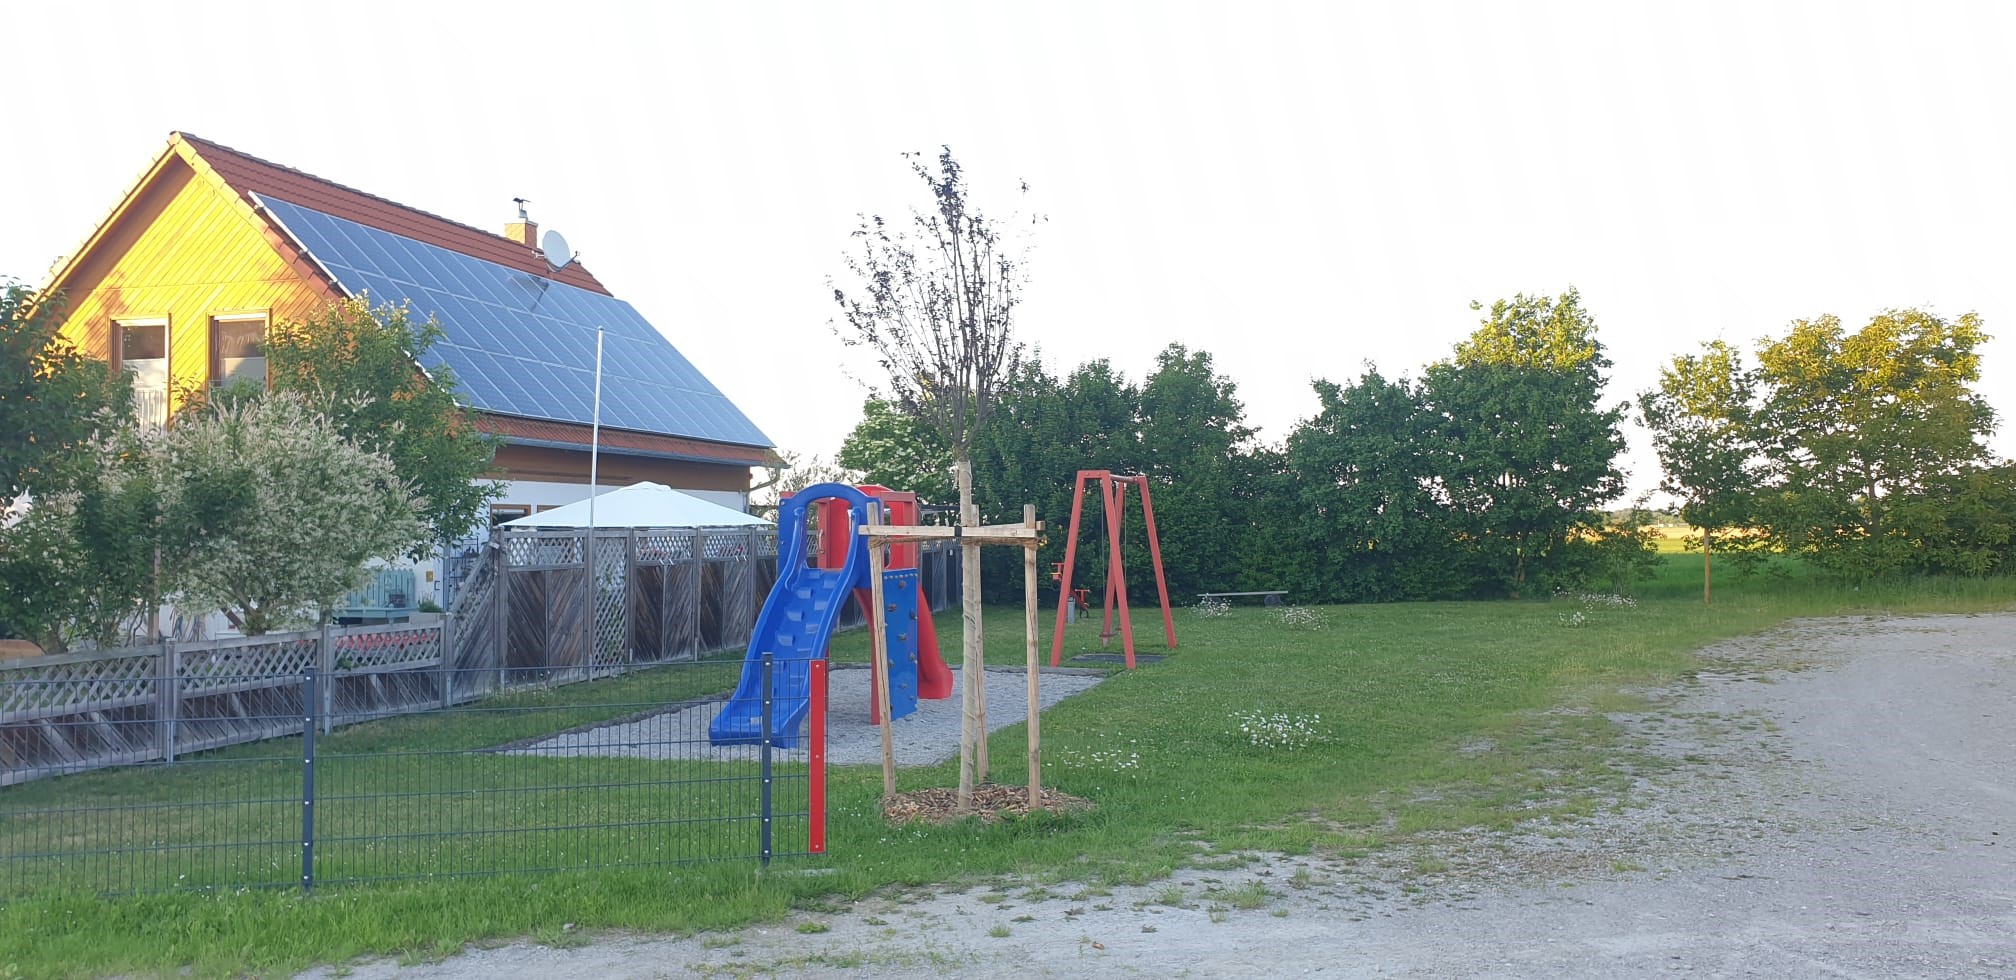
(1400, 691)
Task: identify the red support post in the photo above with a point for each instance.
(1106, 600)
(815, 823)
(1116, 520)
(1112, 552)
(1113, 497)
(1155, 552)
(1070, 558)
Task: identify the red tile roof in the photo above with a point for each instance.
(520, 430)
(248, 174)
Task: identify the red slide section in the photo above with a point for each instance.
(934, 677)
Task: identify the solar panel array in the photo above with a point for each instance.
(521, 344)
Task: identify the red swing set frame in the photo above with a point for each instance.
(1113, 496)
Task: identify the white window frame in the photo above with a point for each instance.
(218, 373)
(150, 399)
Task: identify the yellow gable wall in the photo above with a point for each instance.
(186, 250)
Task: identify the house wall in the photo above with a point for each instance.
(546, 465)
(186, 251)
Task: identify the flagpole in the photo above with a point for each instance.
(595, 438)
(594, 487)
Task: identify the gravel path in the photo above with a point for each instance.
(927, 736)
(1842, 803)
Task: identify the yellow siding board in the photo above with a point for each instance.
(185, 250)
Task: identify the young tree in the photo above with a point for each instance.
(935, 299)
(52, 398)
(361, 367)
(78, 567)
(1527, 448)
(1701, 419)
(269, 513)
(1856, 424)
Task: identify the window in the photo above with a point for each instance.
(237, 350)
(141, 347)
(499, 513)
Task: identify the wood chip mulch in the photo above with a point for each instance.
(991, 803)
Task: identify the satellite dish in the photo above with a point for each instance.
(558, 255)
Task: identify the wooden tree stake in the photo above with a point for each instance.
(1029, 641)
(879, 626)
(972, 667)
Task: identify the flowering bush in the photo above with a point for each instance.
(1591, 602)
(1599, 600)
(1301, 617)
(1110, 760)
(1280, 731)
(270, 512)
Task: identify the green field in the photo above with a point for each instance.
(1398, 688)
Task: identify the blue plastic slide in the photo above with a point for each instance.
(796, 622)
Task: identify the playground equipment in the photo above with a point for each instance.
(917, 670)
(803, 608)
(1113, 497)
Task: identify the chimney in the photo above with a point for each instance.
(524, 231)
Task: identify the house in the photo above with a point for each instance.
(210, 246)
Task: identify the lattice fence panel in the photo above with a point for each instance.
(542, 549)
(611, 585)
(664, 547)
(255, 661)
(71, 713)
(681, 610)
(726, 543)
(82, 684)
(478, 643)
(739, 604)
(388, 647)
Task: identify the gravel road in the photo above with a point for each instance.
(1841, 803)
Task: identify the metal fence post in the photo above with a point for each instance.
(447, 662)
(769, 699)
(310, 700)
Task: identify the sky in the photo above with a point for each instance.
(1301, 189)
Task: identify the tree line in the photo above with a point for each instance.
(1486, 473)
(1862, 451)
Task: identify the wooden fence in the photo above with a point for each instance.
(524, 616)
